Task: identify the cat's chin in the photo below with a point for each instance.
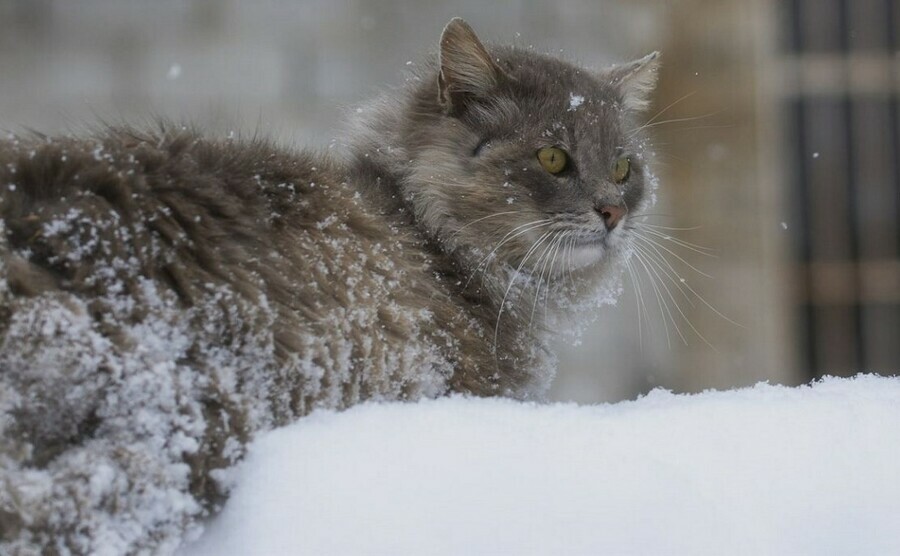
(595, 249)
(588, 253)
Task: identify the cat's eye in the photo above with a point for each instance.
(553, 159)
(622, 170)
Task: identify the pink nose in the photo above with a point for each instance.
(611, 215)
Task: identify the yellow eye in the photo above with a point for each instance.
(553, 159)
(622, 169)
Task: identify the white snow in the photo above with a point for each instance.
(174, 72)
(575, 101)
(763, 470)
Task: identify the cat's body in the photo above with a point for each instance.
(164, 296)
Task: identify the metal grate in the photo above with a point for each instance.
(841, 85)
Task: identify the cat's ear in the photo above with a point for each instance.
(636, 81)
(467, 69)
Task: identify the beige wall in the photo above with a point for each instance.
(725, 179)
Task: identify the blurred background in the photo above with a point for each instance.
(778, 147)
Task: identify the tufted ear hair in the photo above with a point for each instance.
(636, 81)
(466, 67)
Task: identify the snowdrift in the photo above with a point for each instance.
(769, 469)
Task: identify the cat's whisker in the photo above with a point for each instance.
(668, 270)
(664, 110)
(552, 265)
(483, 218)
(674, 121)
(685, 119)
(700, 297)
(512, 234)
(541, 263)
(670, 228)
(545, 258)
(485, 263)
(645, 215)
(569, 264)
(671, 273)
(521, 229)
(566, 263)
(669, 298)
(661, 287)
(641, 296)
(659, 268)
(659, 159)
(652, 241)
(700, 249)
(637, 300)
(512, 281)
(694, 128)
(659, 298)
(660, 229)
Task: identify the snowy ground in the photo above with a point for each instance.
(765, 470)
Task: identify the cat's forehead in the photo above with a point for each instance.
(561, 94)
(557, 82)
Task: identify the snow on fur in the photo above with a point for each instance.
(767, 469)
(59, 371)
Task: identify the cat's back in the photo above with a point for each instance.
(164, 296)
(173, 207)
(230, 256)
(149, 199)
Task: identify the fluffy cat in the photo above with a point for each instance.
(165, 296)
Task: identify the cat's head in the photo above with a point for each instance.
(522, 157)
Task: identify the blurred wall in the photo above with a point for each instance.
(292, 65)
(839, 87)
(292, 68)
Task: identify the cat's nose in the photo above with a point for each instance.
(611, 215)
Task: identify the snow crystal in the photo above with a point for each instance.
(174, 72)
(815, 155)
(763, 470)
(575, 101)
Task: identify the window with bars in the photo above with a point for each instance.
(842, 126)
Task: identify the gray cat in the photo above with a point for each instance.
(166, 296)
